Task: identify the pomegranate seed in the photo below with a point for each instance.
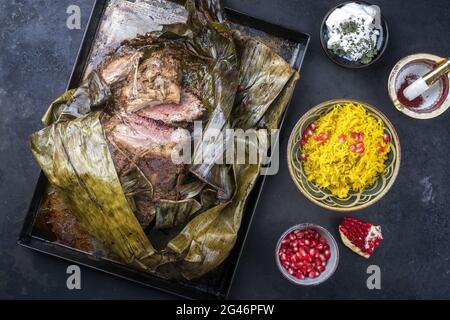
(313, 243)
(386, 138)
(299, 275)
(307, 242)
(355, 136)
(319, 247)
(302, 142)
(320, 268)
(352, 147)
(309, 132)
(303, 157)
(321, 137)
(312, 125)
(302, 251)
(360, 150)
(312, 251)
(305, 136)
(381, 149)
(290, 271)
(342, 138)
(361, 136)
(327, 253)
(312, 274)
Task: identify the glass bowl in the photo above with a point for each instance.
(331, 266)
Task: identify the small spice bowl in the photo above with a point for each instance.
(381, 45)
(331, 263)
(431, 104)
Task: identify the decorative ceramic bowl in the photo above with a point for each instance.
(331, 266)
(381, 45)
(436, 100)
(323, 197)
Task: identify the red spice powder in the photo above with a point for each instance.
(417, 102)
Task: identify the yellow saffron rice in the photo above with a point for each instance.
(332, 164)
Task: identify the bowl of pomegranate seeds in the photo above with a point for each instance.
(307, 254)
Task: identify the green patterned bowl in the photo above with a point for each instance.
(323, 197)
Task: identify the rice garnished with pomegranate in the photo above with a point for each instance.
(345, 150)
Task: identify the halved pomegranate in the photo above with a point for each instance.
(361, 237)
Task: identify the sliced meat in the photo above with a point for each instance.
(138, 135)
(157, 80)
(135, 141)
(188, 110)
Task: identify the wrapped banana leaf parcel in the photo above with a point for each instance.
(107, 145)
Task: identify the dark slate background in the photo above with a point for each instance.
(36, 57)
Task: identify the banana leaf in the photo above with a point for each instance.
(75, 158)
(241, 82)
(170, 214)
(92, 93)
(191, 189)
(136, 184)
(263, 75)
(208, 238)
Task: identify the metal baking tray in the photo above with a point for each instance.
(292, 45)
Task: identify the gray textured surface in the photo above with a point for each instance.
(35, 63)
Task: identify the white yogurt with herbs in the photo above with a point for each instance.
(353, 31)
